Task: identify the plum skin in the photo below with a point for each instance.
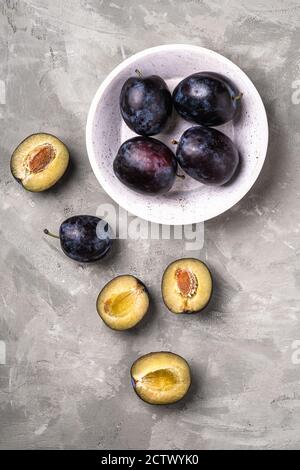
(145, 104)
(207, 155)
(81, 240)
(206, 98)
(145, 165)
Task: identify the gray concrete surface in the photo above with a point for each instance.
(64, 379)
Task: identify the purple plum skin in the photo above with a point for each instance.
(146, 104)
(207, 155)
(145, 165)
(85, 238)
(206, 98)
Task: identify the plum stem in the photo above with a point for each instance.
(174, 142)
(46, 231)
(139, 73)
(237, 97)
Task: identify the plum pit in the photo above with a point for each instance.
(187, 282)
(40, 157)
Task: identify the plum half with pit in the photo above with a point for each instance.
(84, 238)
(145, 104)
(123, 302)
(145, 165)
(207, 155)
(207, 98)
(186, 286)
(39, 162)
(161, 378)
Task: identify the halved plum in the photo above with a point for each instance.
(186, 286)
(39, 162)
(161, 378)
(123, 302)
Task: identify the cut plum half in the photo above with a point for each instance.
(186, 286)
(161, 378)
(123, 302)
(39, 162)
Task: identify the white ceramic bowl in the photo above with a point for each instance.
(188, 201)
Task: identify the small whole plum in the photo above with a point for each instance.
(84, 238)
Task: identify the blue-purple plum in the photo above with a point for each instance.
(207, 98)
(145, 165)
(84, 238)
(145, 104)
(207, 155)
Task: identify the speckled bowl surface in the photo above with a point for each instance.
(188, 201)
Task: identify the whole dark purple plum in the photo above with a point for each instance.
(145, 165)
(207, 98)
(84, 238)
(145, 104)
(207, 155)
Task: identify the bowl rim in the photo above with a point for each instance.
(92, 113)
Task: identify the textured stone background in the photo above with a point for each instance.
(65, 382)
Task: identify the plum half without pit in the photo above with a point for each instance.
(186, 286)
(39, 162)
(161, 378)
(84, 238)
(123, 302)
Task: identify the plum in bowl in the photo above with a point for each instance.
(188, 200)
